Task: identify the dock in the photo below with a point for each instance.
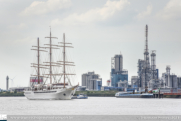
(158, 95)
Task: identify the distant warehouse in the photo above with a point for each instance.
(19, 89)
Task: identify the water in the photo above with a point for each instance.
(90, 106)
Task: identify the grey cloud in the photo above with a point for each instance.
(41, 7)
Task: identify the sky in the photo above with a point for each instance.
(98, 29)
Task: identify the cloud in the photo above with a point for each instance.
(171, 10)
(145, 13)
(93, 15)
(18, 26)
(40, 7)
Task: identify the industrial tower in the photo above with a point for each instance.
(118, 74)
(146, 52)
(144, 70)
(7, 83)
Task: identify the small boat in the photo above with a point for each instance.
(82, 96)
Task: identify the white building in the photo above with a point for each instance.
(91, 81)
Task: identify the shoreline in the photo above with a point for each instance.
(171, 96)
(11, 96)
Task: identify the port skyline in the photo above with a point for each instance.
(95, 41)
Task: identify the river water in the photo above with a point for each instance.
(90, 106)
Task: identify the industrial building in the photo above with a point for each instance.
(147, 73)
(19, 89)
(123, 84)
(154, 84)
(4, 90)
(106, 88)
(179, 82)
(169, 80)
(168, 90)
(91, 81)
(118, 74)
(134, 82)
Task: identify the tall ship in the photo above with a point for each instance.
(57, 83)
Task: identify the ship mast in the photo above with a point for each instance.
(38, 61)
(65, 63)
(50, 58)
(50, 49)
(59, 63)
(64, 57)
(38, 65)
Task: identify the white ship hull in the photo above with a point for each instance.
(53, 94)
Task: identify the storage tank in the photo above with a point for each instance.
(179, 82)
(174, 81)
